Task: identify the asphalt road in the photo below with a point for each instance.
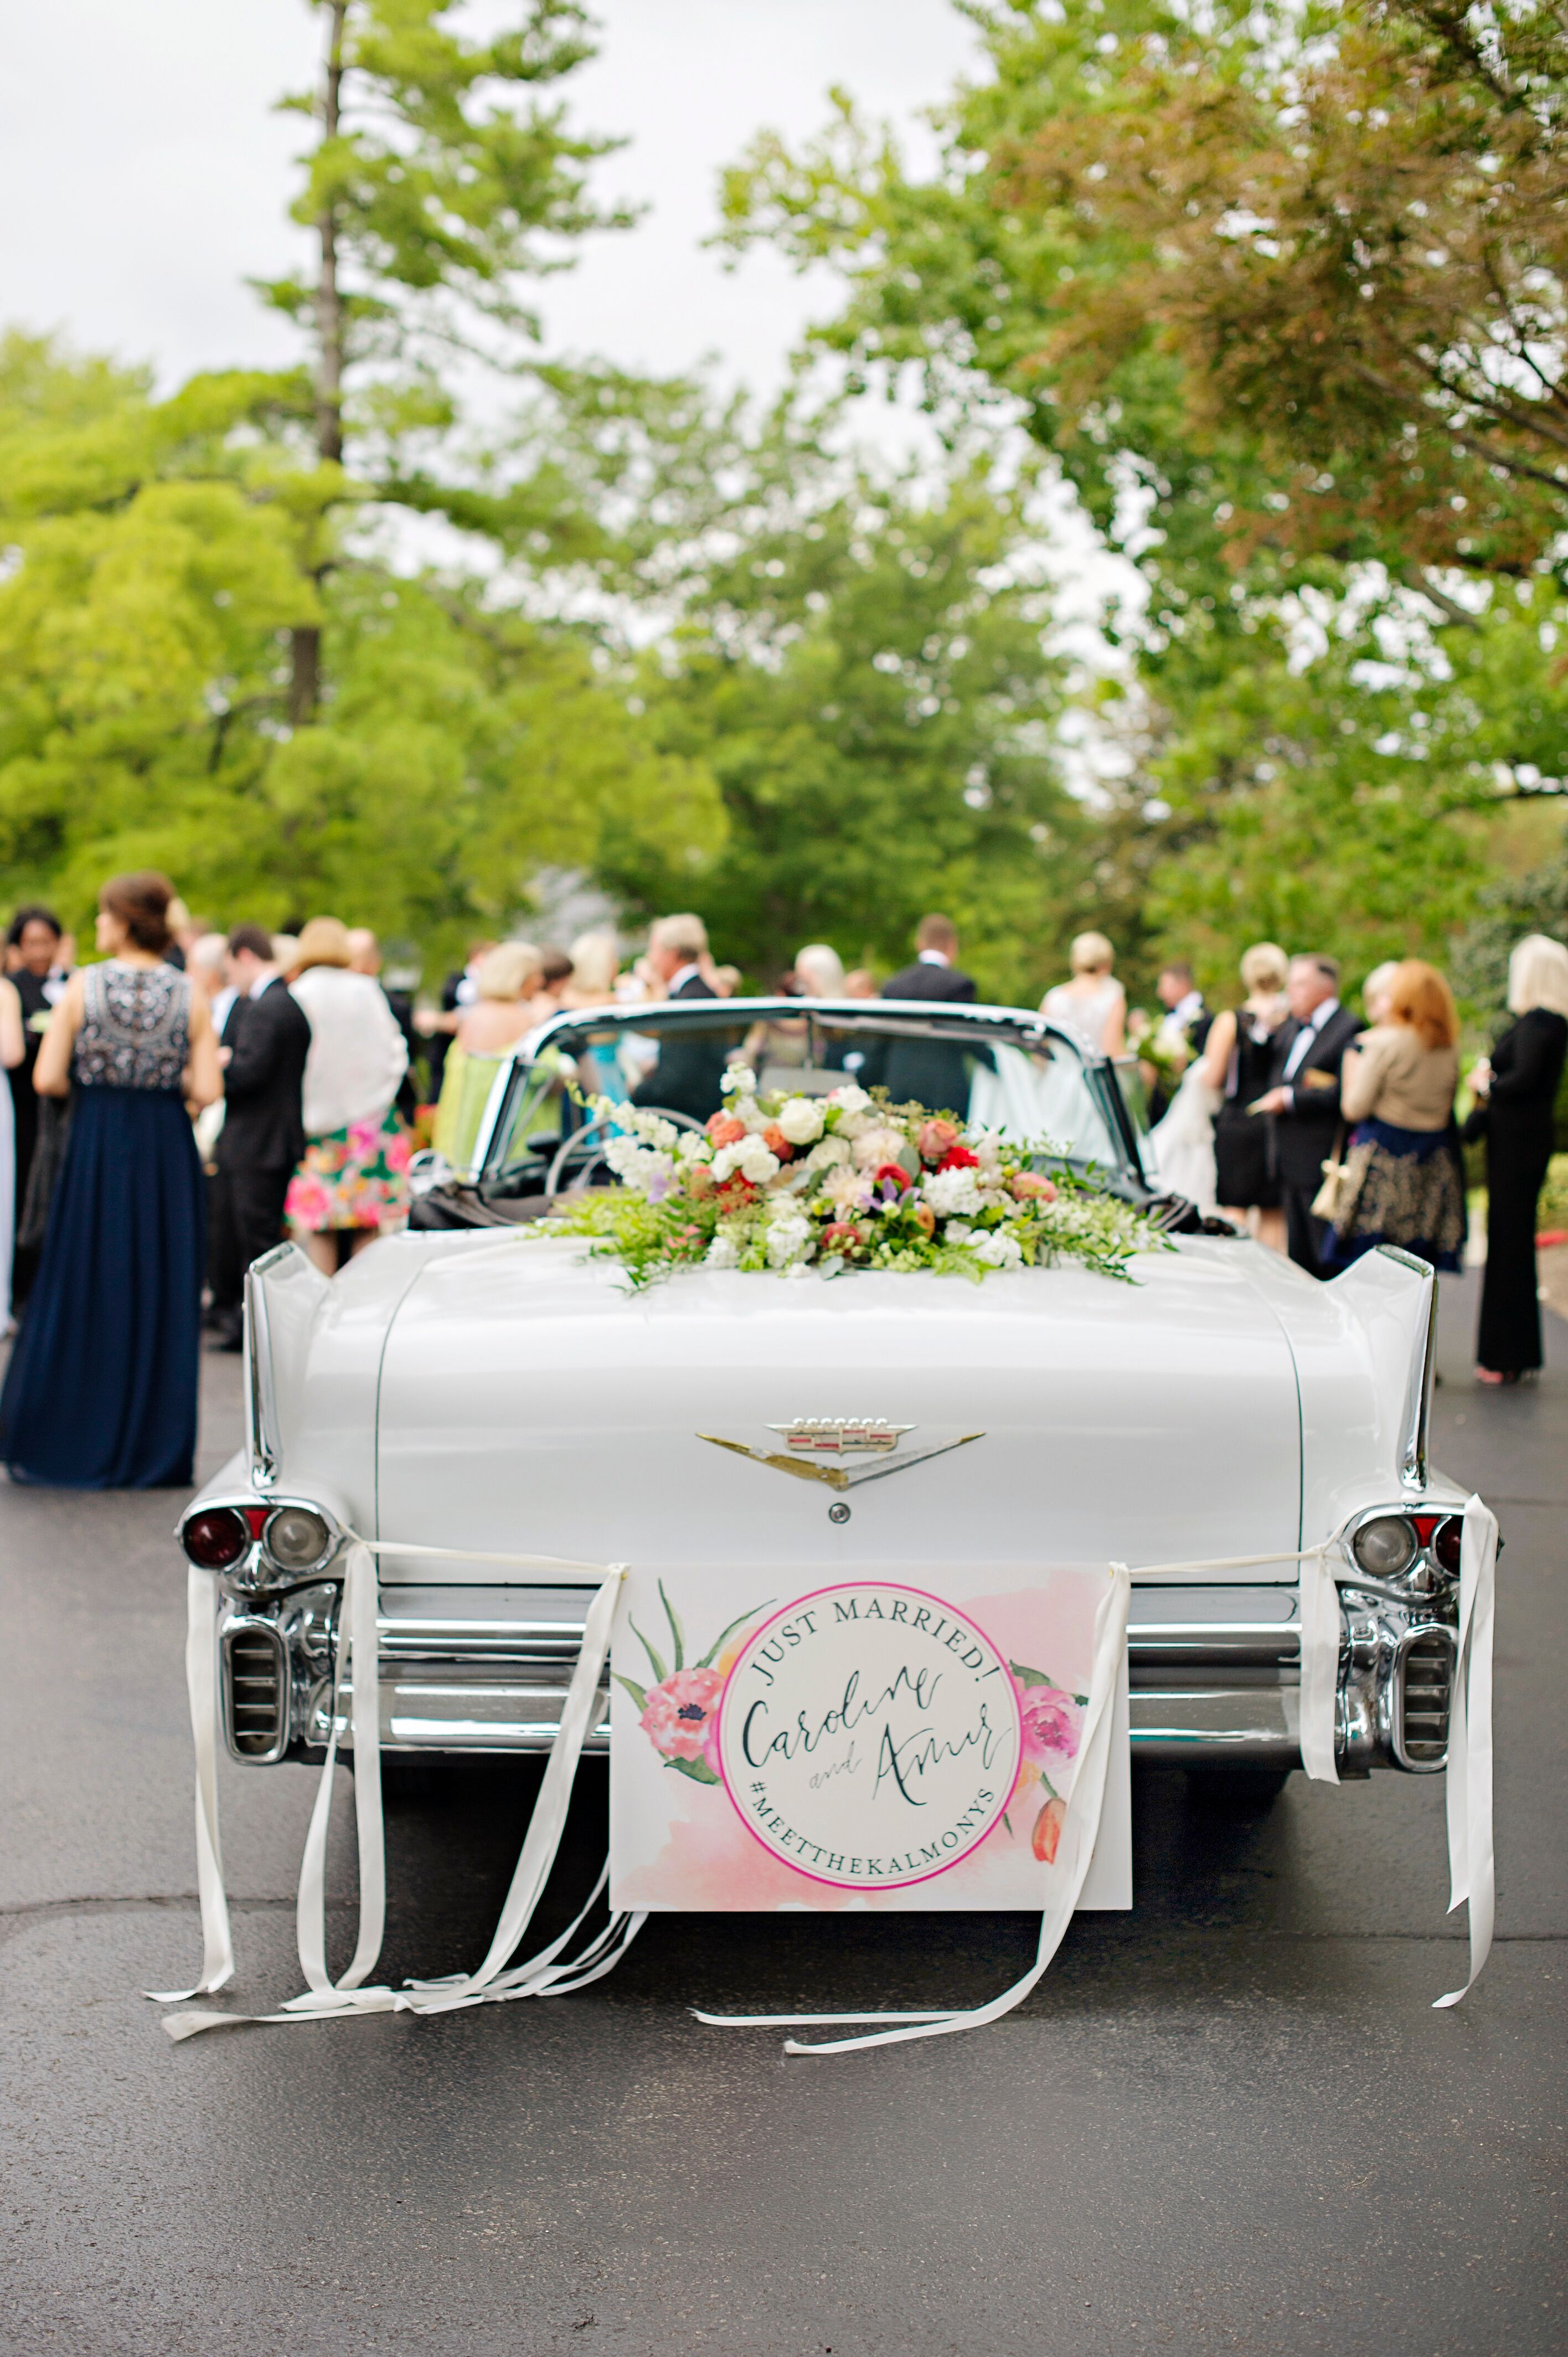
(1230, 2120)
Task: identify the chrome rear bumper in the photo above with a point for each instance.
(1214, 1675)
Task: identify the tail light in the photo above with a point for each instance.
(216, 1537)
(1447, 1542)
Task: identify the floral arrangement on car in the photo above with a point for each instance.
(799, 1185)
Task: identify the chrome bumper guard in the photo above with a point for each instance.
(1214, 1675)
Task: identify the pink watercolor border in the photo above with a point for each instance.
(909, 1883)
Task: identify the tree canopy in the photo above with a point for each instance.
(1282, 296)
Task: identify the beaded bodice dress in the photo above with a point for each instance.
(136, 1027)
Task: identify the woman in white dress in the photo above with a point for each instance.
(1093, 1005)
(13, 1048)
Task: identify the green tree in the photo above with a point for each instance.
(1101, 256)
(150, 593)
(430, 192)
(868, 686)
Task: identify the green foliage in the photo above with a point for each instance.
(1073, 266)
(870, 691)
(439, 192)
(1506, 911)
(154, 579)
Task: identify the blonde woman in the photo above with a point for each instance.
(1237, 1060)
(1396, 1090)
(503, 1008)
(353, 1178)
(1516, 1094)
(1093, 1005)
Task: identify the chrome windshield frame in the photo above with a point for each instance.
(908, 1018)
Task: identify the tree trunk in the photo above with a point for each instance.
(305, 675)
(328, 306)
(305, 679)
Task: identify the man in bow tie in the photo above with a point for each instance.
(1304, 1102)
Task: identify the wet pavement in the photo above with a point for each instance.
(1227, 2121)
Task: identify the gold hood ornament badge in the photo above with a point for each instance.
(873, 1440)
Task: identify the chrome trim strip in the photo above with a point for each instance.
(260, 1404)
(1416, 1419)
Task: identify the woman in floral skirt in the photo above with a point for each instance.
(354, 1177)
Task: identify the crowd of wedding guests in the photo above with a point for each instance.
(1329, 1129)
(185, 1101)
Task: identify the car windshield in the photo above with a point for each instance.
(997, 1069)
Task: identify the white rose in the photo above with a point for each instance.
(849, 1099)
(823, 1157)
(757, 1162)
(951, 1191)
(740, 1078)
(800, 1120)
(725, 1160)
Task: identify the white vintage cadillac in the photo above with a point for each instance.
(481, 1389)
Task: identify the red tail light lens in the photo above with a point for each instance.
(216, 1537)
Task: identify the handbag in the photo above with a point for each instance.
(1336, 1198)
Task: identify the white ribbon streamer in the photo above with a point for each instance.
(1081, 1829)
(1472, 1866)
(359, 1653)
(201, 1689)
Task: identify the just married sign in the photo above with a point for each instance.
(908, 1740)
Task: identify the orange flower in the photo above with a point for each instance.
(1049, 1830)
(926, 1219)
(725, 1130)
(777, 1143)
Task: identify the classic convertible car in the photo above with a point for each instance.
(476, 1385)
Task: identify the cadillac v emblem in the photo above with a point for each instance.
(842, 1436)
(867, 1448)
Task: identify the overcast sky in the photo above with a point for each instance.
(144, 175)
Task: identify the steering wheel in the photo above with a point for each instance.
(579, 1138)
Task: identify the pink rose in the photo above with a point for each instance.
(682, 1715)
(936, 1138)
(1051, 1721)
(1029, 1184)
(725, 1130)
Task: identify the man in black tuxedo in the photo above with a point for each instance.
(265, 1042)
(689, 1075)
(931, 1072)
(1304, 1102)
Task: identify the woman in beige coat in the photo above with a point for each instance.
(1397, 1096)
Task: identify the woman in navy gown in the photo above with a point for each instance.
(101, 1392)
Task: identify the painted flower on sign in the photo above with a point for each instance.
(679, 1713)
